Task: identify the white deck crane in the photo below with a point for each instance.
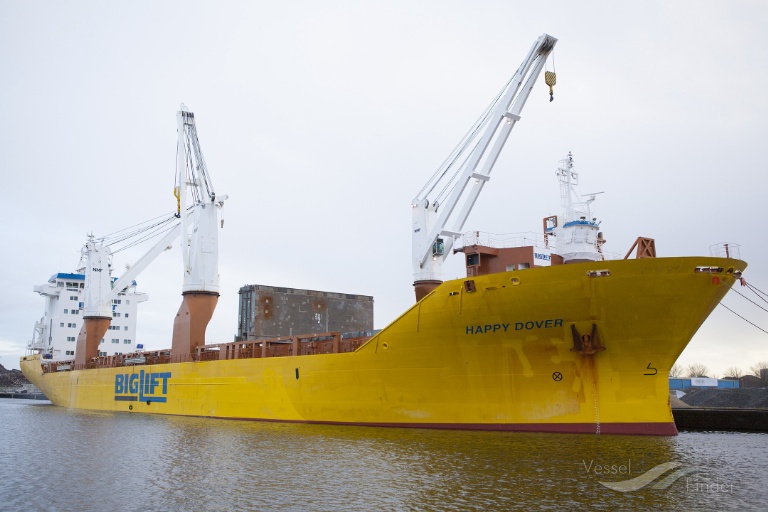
(200, 241)
(200, 252)
(197, 223)
(436, 222)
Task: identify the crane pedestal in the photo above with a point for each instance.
(423, 288)
(191, 321)
(88, 340)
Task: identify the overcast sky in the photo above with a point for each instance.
(322, 120)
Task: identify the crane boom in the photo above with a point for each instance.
(127, 278)
(473, 159)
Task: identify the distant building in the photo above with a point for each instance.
(55, 335)
(271, 311)
(750, 381)
(679, 383)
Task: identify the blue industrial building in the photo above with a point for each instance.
(701, 382)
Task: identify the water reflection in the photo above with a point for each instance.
(175, 463)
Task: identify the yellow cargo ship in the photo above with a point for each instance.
(582, 347)
(530, 340)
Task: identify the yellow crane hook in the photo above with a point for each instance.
(550, 78)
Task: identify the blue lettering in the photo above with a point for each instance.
(518, 326)
(505, 327)
(165, 376)
(133, 386)
(558, 322)
(153, 383)
(548, 324)
(529, 325)
(469, 330)
(143, 384)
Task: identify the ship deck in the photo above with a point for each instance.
(283, 346)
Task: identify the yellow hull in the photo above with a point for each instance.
(500, 357)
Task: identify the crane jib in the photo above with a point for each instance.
(472, 159)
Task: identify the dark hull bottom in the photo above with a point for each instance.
(650, 429)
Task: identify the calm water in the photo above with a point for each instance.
(57, 459)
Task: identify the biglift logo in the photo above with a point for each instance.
(142, 387)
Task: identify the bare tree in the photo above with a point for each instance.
(755, 368)
(733, 372)
(697, 370)
(676, 371)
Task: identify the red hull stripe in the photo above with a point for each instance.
(653, 429)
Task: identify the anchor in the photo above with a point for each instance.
(586, 344)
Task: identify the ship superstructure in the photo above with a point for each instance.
(576, 232)
(572, 237)
(55, 334)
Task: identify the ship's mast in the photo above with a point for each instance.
(578, 236)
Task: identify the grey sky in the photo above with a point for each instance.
(321, 120)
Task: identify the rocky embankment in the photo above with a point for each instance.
(741, 398)
(11, 379)
(742, 409)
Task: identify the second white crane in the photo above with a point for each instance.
(436, 221)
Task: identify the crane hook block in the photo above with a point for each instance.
(550, 78)
(177, 195)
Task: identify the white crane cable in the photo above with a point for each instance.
(110, 236)
(157, 232)
(471, 134)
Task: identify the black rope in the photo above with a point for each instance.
(138, 232)
(757, 292)
(107, 237)
(148, 236)
(738, 315)
(202, 167)
(188, 172)
(196, 174)
(750, 300)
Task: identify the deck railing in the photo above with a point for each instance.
(285, 346)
